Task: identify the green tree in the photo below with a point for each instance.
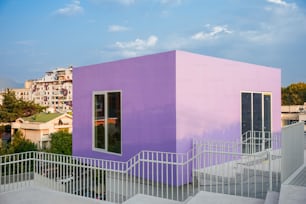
(294, 94)
(61, 143)
(21, 144)
(13, 108)
(18, 144)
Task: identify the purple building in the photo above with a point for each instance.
(162, 101)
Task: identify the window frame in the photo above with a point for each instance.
(263, 94)
(105, 93)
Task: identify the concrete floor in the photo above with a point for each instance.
(217, 198)
(145, 199)
(41, 195)
(292, 194)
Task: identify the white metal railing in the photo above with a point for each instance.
(223, 168)
(209, 166)
(258, 141)
(16, 171)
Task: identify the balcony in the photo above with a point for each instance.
(62, 125)
(45, 137)
(210, 171)
(162, 175)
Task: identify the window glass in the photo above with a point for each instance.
(255, 121)
(246, 112)
(107, 121)
(267, 113)
(267, 121)
(99, 122)
(257, 112)
(114, 122)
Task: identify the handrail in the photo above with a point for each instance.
(170, 175)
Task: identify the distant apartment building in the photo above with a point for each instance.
(53, 90)
(293, 114)
(1, 97)
(24, 93)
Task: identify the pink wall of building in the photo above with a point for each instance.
(208, 96)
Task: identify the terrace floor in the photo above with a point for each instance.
(38, 195)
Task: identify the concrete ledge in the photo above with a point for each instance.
(217, 198)
(146, 199)
(294, 174)
(272, 197)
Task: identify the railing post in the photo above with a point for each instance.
(263, 140)
(270, 170)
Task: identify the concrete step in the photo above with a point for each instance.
(272, 197)
(214, 198)
(141, 199)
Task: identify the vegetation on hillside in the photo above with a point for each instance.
(13, 108)
(294, 94)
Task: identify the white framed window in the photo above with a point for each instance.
(256, 121)
(107, 121)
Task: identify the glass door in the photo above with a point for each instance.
(255, 121)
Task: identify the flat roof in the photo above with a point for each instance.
(42, 117)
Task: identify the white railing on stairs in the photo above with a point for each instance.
(209, 166)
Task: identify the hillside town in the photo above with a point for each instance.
(53, 91)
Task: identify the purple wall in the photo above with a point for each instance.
(208, 96)
(170, 98)
(148, 104)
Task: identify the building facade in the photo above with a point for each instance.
(54, 90)
(39, 127)
(162, 102)
(24, 93)
(293, 114)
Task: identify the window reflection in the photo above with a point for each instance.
(107, 121)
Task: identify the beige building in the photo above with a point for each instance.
(24, 93)
(293, 114)
(38, 128)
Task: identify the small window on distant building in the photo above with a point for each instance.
(107, 121)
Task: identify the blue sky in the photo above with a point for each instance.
(38, 36)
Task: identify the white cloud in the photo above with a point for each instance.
(282, 3)
(70, 9)
(117, 28)
(135, 48)
(283, 24)
(138, 44)
(127, 53)
(213, 33)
